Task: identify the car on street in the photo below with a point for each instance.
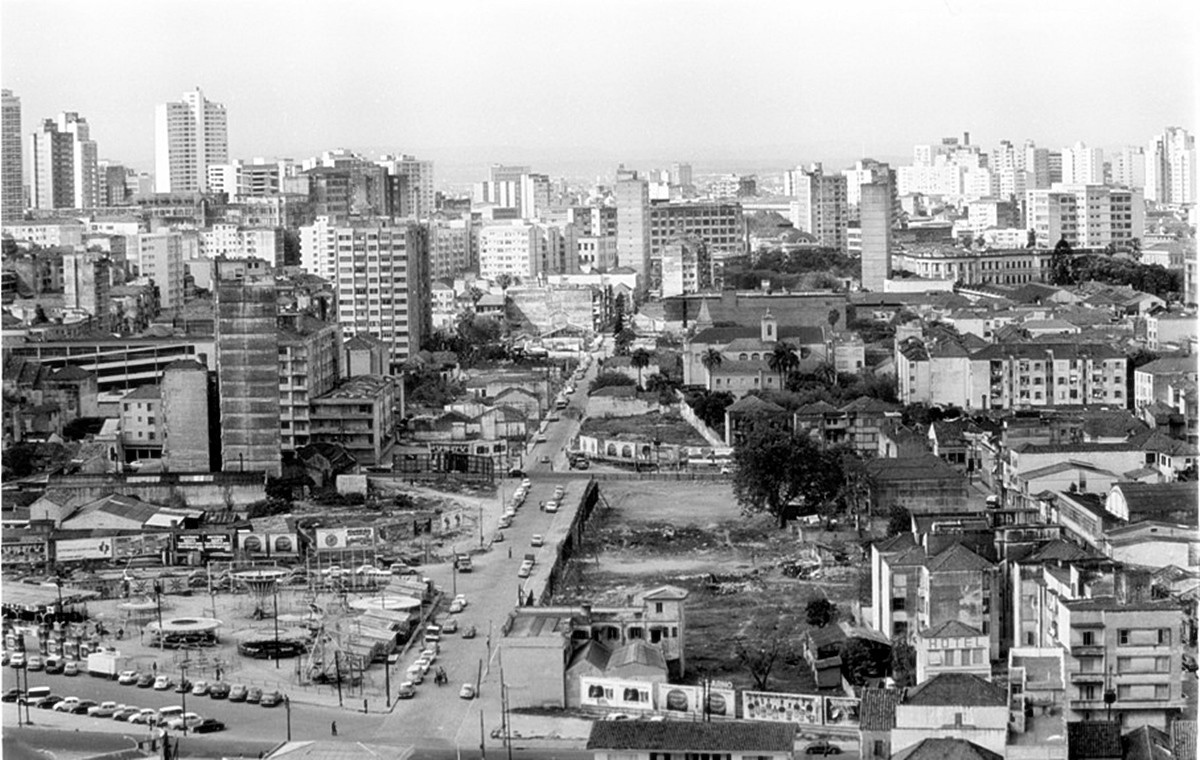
(424, 664)
(407, 690)
(103, 710)
(82, 706)
(525, 569)
(526, 484)
(67, 704)
(17, 661)
(54, 666)
(208, 726)
(822, 748)
(415, 674)
(545, 459)
(537, 540)
(146, 680)
(399, 568)
(467, 691)
(552, 506)
(469, 632)
(46, 703)
(191, 720)
(11, 695)
(254, 695)
(128, 677)
(450, 626)
(200, 689)
(498, 538)
(147, 715)
(71, 668)
(506, 521)
(461, 599)
(430, 653)
(271, 699)
(125, 713)
(184, 686)
(162, 683)
(456, 606)
(35, 663)
(238, 693)
(219, 690)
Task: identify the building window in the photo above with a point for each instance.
(1164, 636)
(658, 607)
(1123, 636)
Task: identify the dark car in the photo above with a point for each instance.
(219, 690)
(145, 681)
(254, 696)
(822, 748)
(11, 695)
(271, 699)
(184, 687)
(83, 706)
(54, 666)
(46, 703)
(207, 726)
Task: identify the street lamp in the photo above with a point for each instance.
(287, 705)
(275, 609)
(183, 684)
(158, 605)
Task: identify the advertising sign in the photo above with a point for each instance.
(142, 545)
(204, 542)
(283, 543)
(803, 709)
(344, 538)
(613, 692)
(253, 543)
(690, 699)
(841, 711)
(69, 549)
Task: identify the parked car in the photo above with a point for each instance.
(505, 522)
(430, 654)
(423, 663)
(35, 663)
(208, 726)
(414, 674)
(200, 689)
(450, 626)
(103, 710)
(71, 668)
(407, 690)
(183, 687)
(467, 691)
(82, 706)
(456, 606)
(191, 720)
(469, 632)
(146, 680)
(17, 661)
(524, 570)
(254, 696)
(128, 677)
(67, 704)
(271, 699)
(499, 537)
(125, 713)
(552, 506)
(11, 695)
(146, 715)
(162, 683)
(54, 666)
(238, 693)
(218, 690)
(47, 703)
(537, 540)
(822, 748)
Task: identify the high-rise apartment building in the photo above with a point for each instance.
(248, 374)
(190, 135)
(453, 247)
(1082, 165)
(12, 160)
(633, 223)
(87, 280)
(1129, 167)
(318, 248)
(248, 179)
(310, 352)
(1037, 166)
(1171, 167)
(160, 257)
(875, 211)
(185, 412)
(382, 283)
(720, 224)
(820, 208)
(65, 164)
(686, 266)
(411, 186)
(1086, 216)
(527, 250)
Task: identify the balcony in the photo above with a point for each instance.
(1079, 676)
(1085, 650)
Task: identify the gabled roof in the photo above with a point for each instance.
(1067, 466)
(1058, 550)
(143, 393)
(951, 629)
(946, 749)
(957, 689)
(637, 652)
(898, 542)
(751, 404)
(816, 407)
(1147, 743)
(1148, 499)
(925, 466)
(1160, 443)
(877, 711)
(70, 373)
(666, 593)
(680, 736)
(957, 558)
(869, 404)
(1169, 366)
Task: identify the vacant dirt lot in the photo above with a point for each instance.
(693, 535)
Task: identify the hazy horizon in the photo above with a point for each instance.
(717, 84)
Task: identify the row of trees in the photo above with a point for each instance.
(1068, 269)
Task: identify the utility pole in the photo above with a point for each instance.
(482, 744)
(337, 669)
(183, 683)
(287, 705)
(158, 604)
(275, 606)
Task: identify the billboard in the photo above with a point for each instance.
(70, 549)
(676, 698)
(616, 692)
(204, 542)
(344, 538)
(253, 543)
(283, 543)
(142, 545)
(841, 711)
(802, 709)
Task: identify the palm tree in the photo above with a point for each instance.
(711, 359)
(827, 373)
(640, 359)
(783, 360)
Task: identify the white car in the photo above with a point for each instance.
(429, 653)
(190, 719)
(552, 506)
(424, 664)
(67, 705)
(467, 691)
(456, 607)
(147, 715)
(526, 484)
(200, 688)
(127, 677)
(162, 683)
(537, 540)
(461, 599)
(103, 710)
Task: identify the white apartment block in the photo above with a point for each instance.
(413, 184)
(254, 179)
(65, 166)
(452, 247)
(632, 195)
(1171, 167)
(232, 241)
(189, 136)
(596, 253)
(1082, 165)
(527, 250)
(1086, 216)
(318, 248)
(821, 207)
(686, 267)
(1129, 167)
(382, 284)
(943, 180)
(160, 257)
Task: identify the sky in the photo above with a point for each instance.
(587, 84)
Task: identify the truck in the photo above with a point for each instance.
(103, 664)
(462, 563)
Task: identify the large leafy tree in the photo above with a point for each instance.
(606, 379)
(782, 473)
(639, 360)
(820, 612)
(623, 340)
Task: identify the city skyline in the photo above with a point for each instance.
(707, 82)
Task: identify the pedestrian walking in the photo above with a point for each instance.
(333, 728)
(510, 552)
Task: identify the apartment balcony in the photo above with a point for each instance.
(1085, 650)
(1079, 676)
